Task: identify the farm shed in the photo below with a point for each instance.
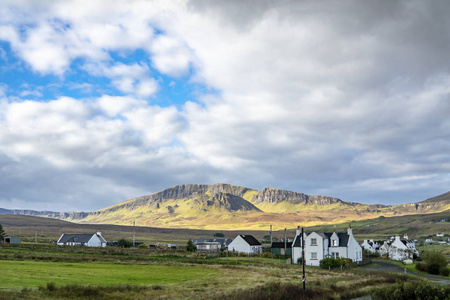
(278, 248)
(11, 240)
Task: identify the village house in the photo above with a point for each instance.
(88, 240)
(320, 245)
(245, 244)
(398, 249)
(208, 246)
(371, 245)
(401, 249)
(223, 242)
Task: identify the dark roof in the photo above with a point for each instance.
(78, 238)
(223, 242)
(281, 245)
(250, 239)
(343, 239)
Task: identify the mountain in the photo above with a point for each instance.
(224, 206)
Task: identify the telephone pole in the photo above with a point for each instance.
(303, 261)
(134, 235)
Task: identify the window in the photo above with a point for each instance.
(313, 255)
(313, 241)
(334, 254)
(334, 242)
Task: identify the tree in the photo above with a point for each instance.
(2, 233)
(190, 246)
(123, 243)
(434, 261)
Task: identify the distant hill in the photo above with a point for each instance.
(224, 206)
(441, 198)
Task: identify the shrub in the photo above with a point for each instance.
(142, 246)
(444, 271)
(123, 243)
(330, 262)
(433, 269)
(267, 255)
(345, 262)
(412, 290)
(434, 262)
(421, 267)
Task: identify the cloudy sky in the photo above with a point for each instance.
(104, 101)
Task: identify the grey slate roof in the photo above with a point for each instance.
(281, 244)
(343, 239)
(250, 239)
(78, 238)
(223, 242)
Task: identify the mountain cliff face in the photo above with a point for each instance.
(224, 206)
(269, 195)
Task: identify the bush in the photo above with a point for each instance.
(345, 262)
(123, 243)
(412, 290)
(268, 255)
(433, 269)
(330, 262)
(142, 246)
(444, 271)
(434, 262)
(421, 267)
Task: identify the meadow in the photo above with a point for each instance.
(40, 271)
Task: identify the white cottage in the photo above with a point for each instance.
(371, 245)
(401, 249)
(88, 240)
(245, 244)
(208, 246)
(319, 245)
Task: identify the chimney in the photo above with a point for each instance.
(397, 237)
(349, 230)
(405, 236)
(99, 233)
(298, 231)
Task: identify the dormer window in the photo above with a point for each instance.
(334, 242)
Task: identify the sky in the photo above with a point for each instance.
(105, 101)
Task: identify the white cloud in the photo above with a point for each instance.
(311, 96)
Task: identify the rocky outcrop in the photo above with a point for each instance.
(232, 202)
(270, 195)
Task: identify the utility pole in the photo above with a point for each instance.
(285, 246)
(134, 235)
(303, 261)
(271, 242)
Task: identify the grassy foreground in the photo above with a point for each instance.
(51, 272)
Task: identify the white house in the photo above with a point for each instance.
(208, 246)
(321, 245)
(88, 240)
(371, 245)
(223, 242)
(401, 249)
(246, 244)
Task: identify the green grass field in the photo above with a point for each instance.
(21, 274)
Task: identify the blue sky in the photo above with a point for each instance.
(101, 102)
